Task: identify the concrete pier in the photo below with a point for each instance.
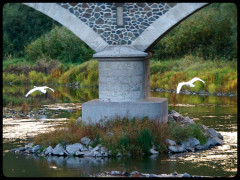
(124, 87)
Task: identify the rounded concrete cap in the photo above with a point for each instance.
(120, 51)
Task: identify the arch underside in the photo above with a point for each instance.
(96, 37)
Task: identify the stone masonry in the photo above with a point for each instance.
(101, 17)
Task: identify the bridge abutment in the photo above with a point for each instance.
(124, 87)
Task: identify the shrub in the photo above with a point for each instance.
(209, 33)
(61, 44)
(195, 130)
(144, 140)
(211, 88)
(35, 77)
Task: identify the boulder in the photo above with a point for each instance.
(201, 147)
(58, 150)
(188, 120)
(212, 132)
(191, 142)
(219, 135)
(85, 141)
(90, 148)
(87, 153)
(170, 117)
(71, 149)
(29, 145)
(176, 116)
(186, 175)
(188, 148)
(152, 151)
(119, 154)
(171, 142)
(97, 148)
(35, 148)
(215, 141)
(115, 173)
(48, 151)
(177, 149)
(79, 153)
(97, 154)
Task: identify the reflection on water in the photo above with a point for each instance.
(215, 112)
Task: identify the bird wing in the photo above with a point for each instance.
(180, 86)
(45, 87)
(195, 79)
(32, 90)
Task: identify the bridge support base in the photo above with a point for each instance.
(124, 87)
(154, 108)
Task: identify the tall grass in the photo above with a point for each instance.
(219, 75)
(125, 135)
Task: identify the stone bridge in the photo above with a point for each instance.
(121, 34)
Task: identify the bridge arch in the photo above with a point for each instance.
(143, 37)
(64, 17)
(161, 26)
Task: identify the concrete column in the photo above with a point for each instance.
(122, 80)
(124, 87)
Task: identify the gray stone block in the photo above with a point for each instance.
(154, 108)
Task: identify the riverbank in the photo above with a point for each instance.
(220, 76)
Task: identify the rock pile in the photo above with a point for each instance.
(192, 144)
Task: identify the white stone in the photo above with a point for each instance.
(85, 141)
(171, 142)
(48, 151)
(152, 151)
(177, 149)
(215, 141)
(71, 149)
(58, 150)
(35, 148)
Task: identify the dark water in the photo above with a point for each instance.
(215, 112)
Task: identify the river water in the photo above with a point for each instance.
(52, 109)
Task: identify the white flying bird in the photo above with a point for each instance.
(41, 89)
(189, 83)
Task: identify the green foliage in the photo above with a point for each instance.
(211, 88)
(35, 77)
(177, 132)
(85, 74)
(21, 25)
(144, 140)
(60, 43)
(209, 33)
(194, 130)
(220, 75)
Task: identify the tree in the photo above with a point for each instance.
(21, 25)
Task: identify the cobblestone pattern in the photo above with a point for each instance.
(102, 18)
(121, 81)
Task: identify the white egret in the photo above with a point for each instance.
(189, 83)
(41, 89)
